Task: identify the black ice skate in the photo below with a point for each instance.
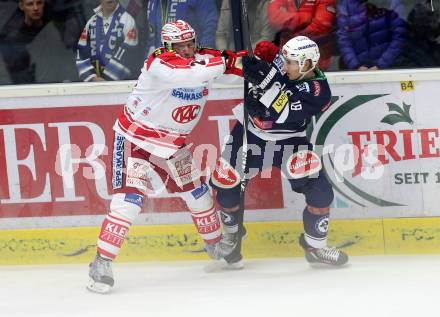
(331, 256)
(234, 258)
(101, 275)
(220, 249)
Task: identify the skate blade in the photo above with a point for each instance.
(325, 266)
(234, 266)
(97, 287)
(222, 265)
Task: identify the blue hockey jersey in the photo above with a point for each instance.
(290, 106)
(105, 48)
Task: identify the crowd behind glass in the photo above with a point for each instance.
(52, 41)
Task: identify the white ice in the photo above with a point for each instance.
(394, 286)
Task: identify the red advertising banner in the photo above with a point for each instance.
(57, 161)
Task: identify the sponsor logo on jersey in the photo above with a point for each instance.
(134, 199)
(185, 114)
(303, 163)
(268, 78)
(199, 192)
(280, 102)
(189, 94)
(317, 86)
(303, 87)
(118, 161)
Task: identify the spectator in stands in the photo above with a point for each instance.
(69, 18)
(369, 37)
(421, 48)
(107, 44)
(314, 19)
(202, 15)
(18, 32)
(259, 26)
(138, 10)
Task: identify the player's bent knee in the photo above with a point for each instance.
(229, 198)
(198, 199)
(320, 198)
(126, 206)
(318, 211)
(319, 192)
(226, 180)
(232, 209)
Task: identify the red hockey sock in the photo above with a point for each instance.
(207, 223)
(113, 233)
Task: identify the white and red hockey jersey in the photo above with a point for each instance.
(168, 100)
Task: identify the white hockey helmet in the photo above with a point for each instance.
(176, 32)
(300, 49)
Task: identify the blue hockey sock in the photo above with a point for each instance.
(230, 221)
(315, 228)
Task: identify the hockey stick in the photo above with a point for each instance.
(246, 40)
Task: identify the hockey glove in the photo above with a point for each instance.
(258, 72)
(230, 58)
(266, 50)
(254, 107)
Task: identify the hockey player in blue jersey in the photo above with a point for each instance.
(286, 93)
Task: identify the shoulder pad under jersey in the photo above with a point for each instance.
(161, 53)
(209, 50)
(161, 50)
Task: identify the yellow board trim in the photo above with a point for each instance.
(181, 242)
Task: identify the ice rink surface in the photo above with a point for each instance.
(394, 286)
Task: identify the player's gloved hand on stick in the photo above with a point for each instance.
(230, 58)
(254, 106)
(259, 73)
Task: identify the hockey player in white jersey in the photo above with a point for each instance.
(150, 135)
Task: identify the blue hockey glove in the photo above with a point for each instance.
(259, 73)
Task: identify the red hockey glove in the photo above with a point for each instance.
(266, 50)
(230, 59)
